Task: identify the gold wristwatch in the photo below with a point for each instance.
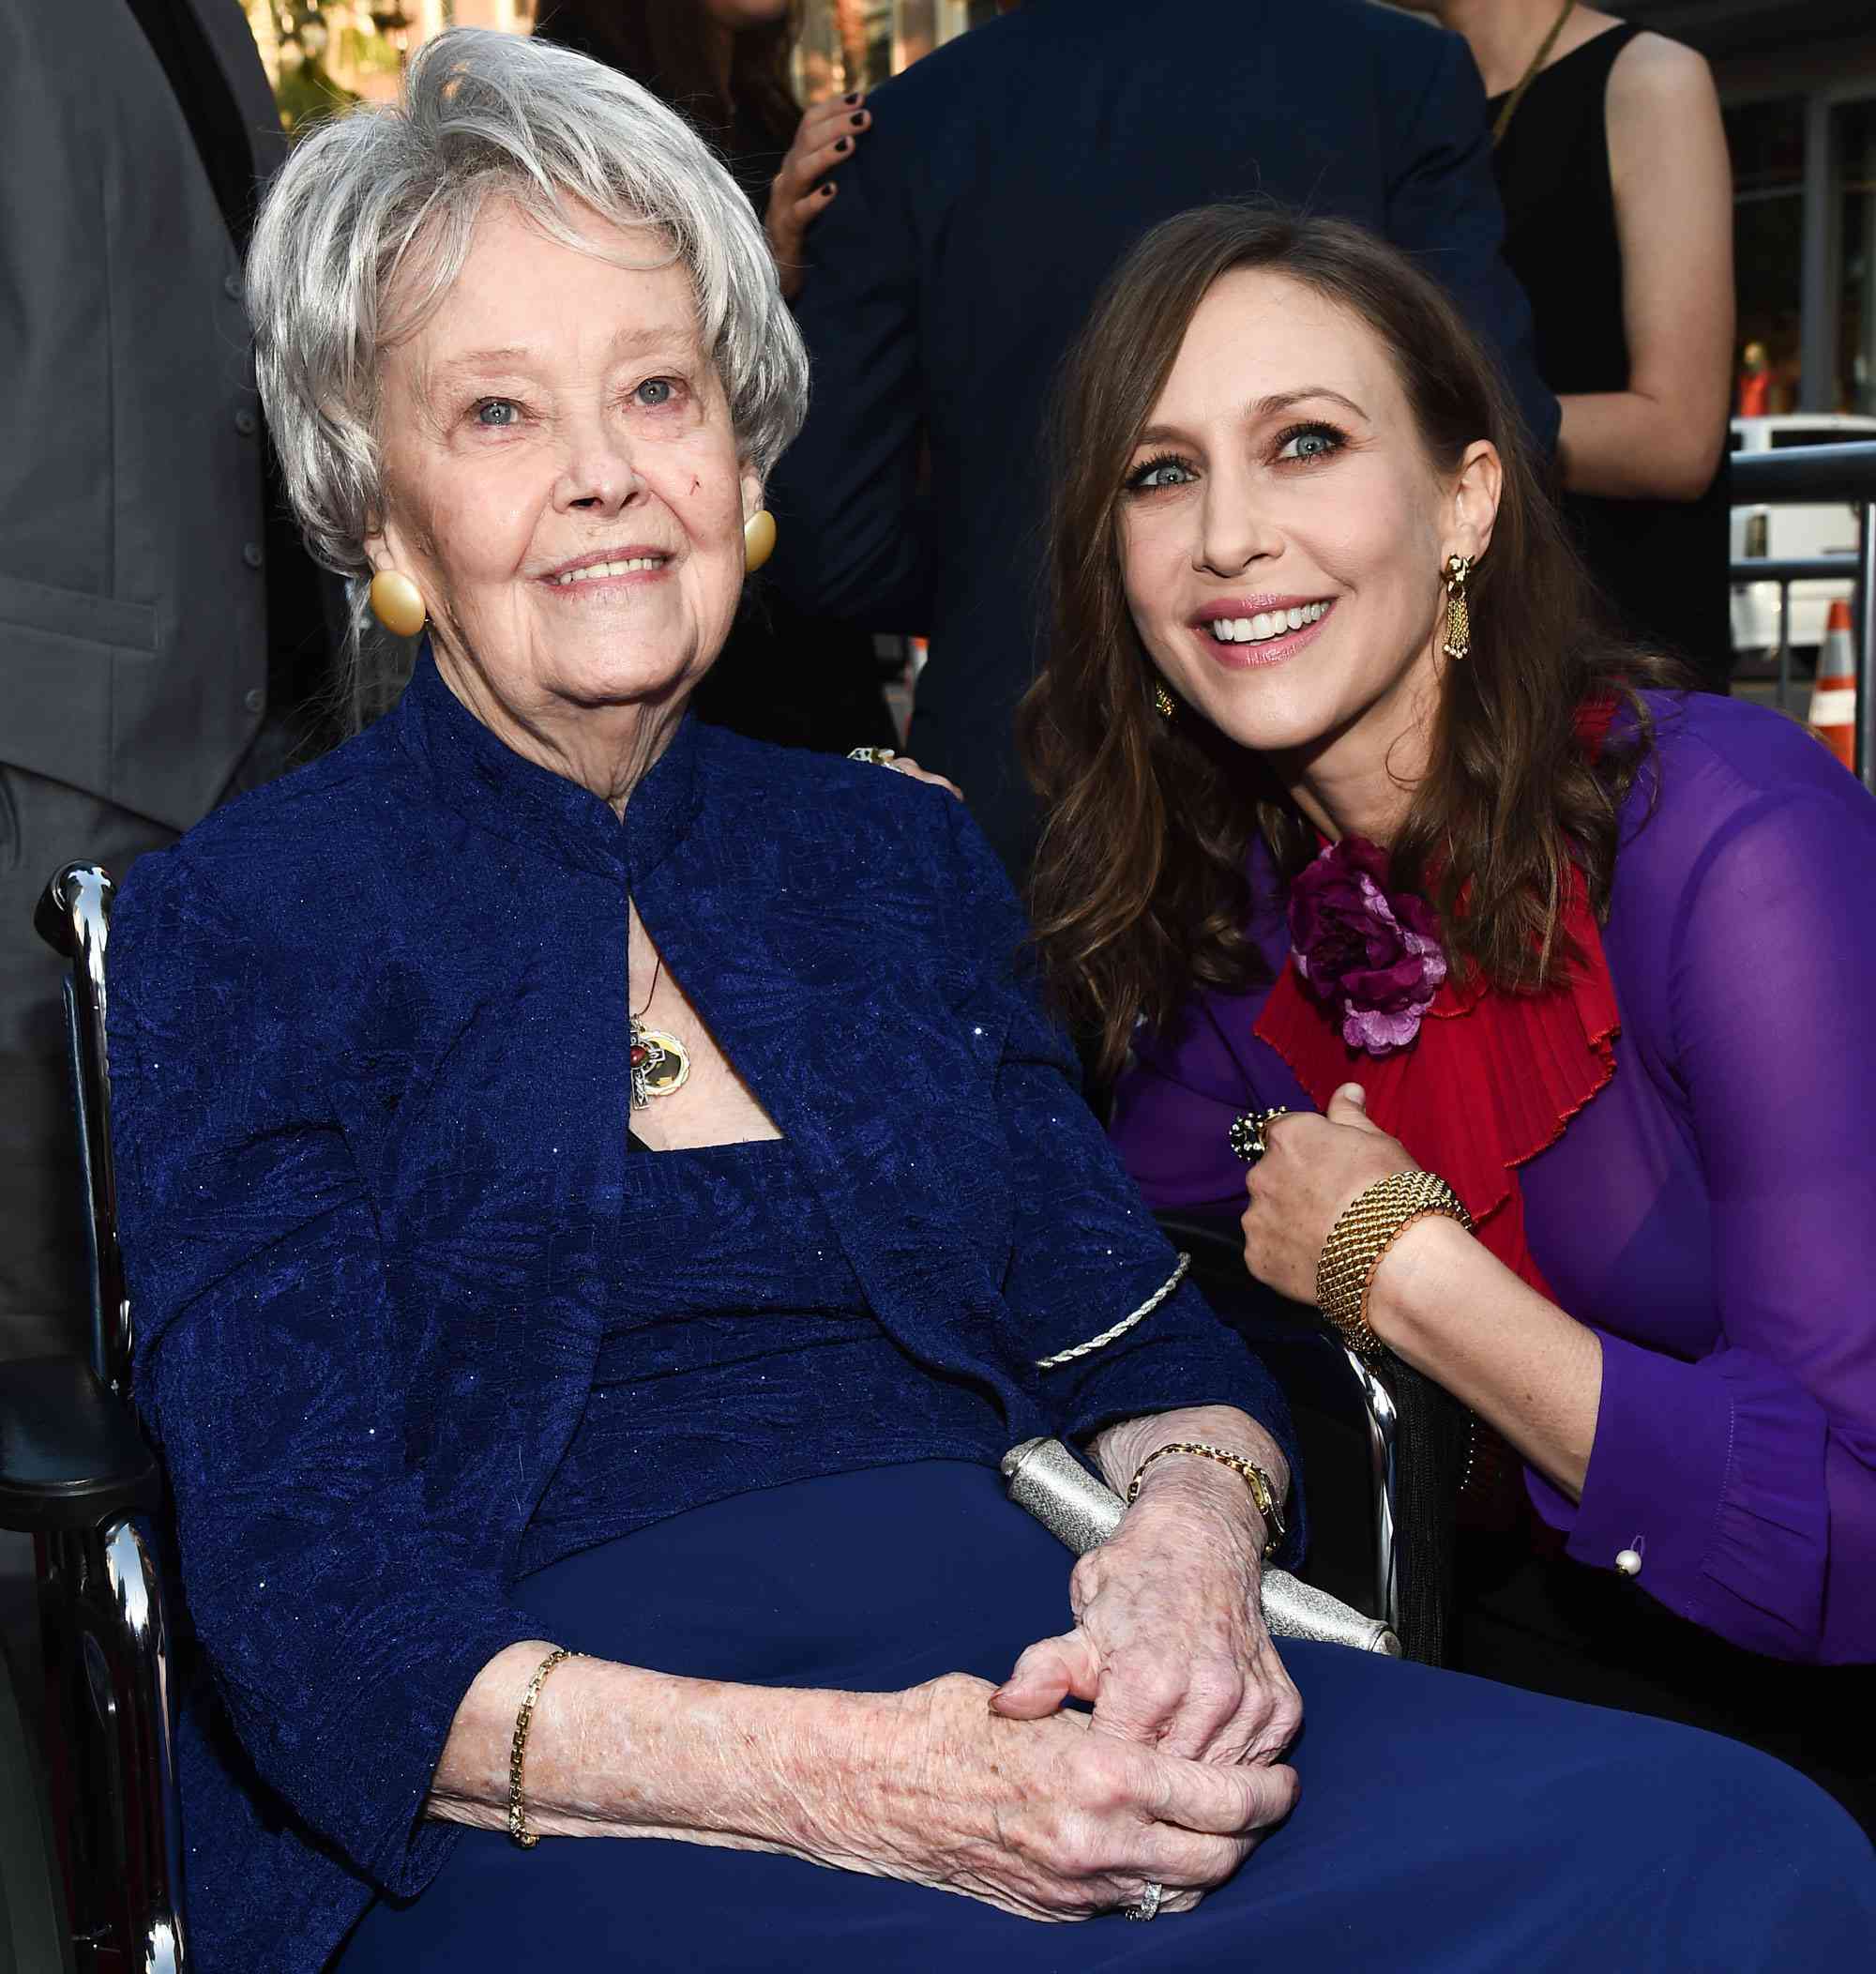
(1253, 1477)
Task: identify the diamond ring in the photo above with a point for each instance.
(1148, 1906)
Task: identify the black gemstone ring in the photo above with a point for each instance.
(1246, 1134)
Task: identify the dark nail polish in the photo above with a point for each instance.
(852, 96)
(858, 119)
(826, 191)
(844, 144)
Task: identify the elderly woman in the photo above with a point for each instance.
(1361, 812)
(597, 1186)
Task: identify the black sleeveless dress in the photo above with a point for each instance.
(1662, 564)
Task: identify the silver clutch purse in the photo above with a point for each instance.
(1078, 1507)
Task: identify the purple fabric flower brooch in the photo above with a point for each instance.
(1370, 956)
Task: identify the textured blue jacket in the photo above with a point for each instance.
(368, 1035)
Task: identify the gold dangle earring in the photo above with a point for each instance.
(1162, 701)
(1458, 618)
(398, 604)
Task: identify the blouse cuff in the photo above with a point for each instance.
(1713, 1473)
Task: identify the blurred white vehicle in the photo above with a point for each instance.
(1785, 533)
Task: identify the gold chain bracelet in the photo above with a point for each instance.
(1253, 1477)
(1369, 1226)
(518, 1823)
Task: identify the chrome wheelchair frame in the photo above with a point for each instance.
(75, 1475)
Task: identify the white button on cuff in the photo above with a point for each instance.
(1629, 1563)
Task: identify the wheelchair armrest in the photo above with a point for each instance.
(71, 1455)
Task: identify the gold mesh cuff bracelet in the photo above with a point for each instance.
(1369, 1226)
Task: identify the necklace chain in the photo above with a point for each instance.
(656, 969)
(1530, 75)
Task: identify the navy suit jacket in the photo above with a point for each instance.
(367, 1036)
(1003, 177)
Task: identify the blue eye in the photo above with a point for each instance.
(655, 392)
(1310, 442)
(497, 412)
(1163, 472)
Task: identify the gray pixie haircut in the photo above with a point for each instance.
(382, 202)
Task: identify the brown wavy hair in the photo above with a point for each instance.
(1140, 888)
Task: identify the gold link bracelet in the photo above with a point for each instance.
(1369, 1226)
(518, 1823)
(1253, 1477)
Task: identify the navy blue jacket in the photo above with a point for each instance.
(1003, 178)
(368, 1035)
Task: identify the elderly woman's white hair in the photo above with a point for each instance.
(374, 211)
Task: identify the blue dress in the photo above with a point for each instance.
(1611, 1841)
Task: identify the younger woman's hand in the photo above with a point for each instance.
(802, 189)
(1313, 1168)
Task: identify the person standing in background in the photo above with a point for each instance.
(786, 675)
(164, 635)
(1612, 162)
(1007, 172)
(1755, 383)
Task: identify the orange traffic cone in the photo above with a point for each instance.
(1833, 696)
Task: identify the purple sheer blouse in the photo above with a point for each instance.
(1711, 1214)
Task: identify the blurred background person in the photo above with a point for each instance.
(1755, 381)
(786, 675)
(1612, 162)
(1007, 172)
(163, 636)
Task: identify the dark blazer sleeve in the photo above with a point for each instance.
(850, 532)
(1086, 1251)
(343, 1611)
(1443, 208)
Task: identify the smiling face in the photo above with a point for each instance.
(1282, 529)
(561, 482)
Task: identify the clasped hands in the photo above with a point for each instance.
(1177, 1771)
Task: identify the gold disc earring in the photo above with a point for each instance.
(758, 539)
(1458, 618)
(1162, 701)
(398, 604)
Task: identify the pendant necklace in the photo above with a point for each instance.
(660, 1062)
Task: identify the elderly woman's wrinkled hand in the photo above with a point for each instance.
(1169, 1642)
(1313, 1168)
(802, 190)
(1050, 1818)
